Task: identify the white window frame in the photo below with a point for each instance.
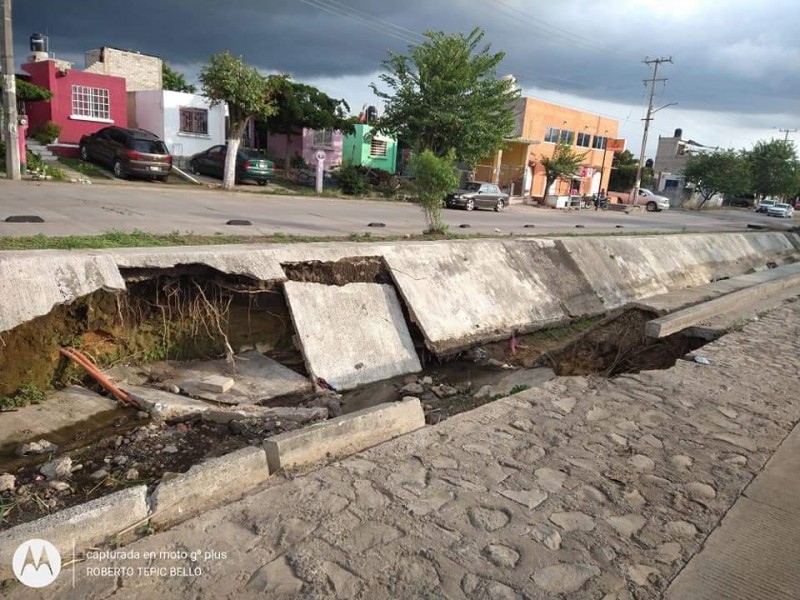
(323, 138)
(599, 142)
(552, 135)
(585, 137)
(91, 104)
(193, 110)
(378, 148)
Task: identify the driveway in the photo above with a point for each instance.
(70, 209)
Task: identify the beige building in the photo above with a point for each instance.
(141, 72)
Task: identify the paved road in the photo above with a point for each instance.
(584, 488)
(74, 209)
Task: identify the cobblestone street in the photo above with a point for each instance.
(584, 488)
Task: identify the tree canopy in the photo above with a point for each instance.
(445, 95)
(174, 81)
(623, 172)
(564, 162)
(29, 92)
(248, 94)
(721, 172)
(773, 167)
(300, 105)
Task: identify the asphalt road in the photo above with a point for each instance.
(70, 209)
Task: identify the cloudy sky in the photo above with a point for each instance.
(735, 74)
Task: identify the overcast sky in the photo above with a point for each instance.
(735, 72)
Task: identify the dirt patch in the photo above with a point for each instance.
(139, 453)
(618, 344)
(364, 269)
(185, 313)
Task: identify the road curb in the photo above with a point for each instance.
(343, 436)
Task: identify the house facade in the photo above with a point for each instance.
(187, 123)
(363, 148)
(539, 126)
(306, 144)
(82, 103)
(141, 72)
(672, 155)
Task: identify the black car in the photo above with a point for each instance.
(128, 152)
(477, 194)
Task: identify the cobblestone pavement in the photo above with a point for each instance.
(585, 488)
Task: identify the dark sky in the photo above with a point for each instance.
(731, 57)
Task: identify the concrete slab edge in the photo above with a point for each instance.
(343, 436)
(203, 487)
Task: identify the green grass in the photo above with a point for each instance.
(84, 168)
(140, 239)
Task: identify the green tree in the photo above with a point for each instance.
(29, 92)
(300, 105)
(773, 165)
(564, 162)
(445, 95)
(174, 81)
(434, 178)
(248, 95)
(722, 172)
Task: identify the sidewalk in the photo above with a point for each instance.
(583, 489)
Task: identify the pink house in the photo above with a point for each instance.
(82, 102)
(306, 144)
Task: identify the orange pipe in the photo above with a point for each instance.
(80, 359)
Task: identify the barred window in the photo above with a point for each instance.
(323, 138)
(378, 147)
(194, 120)
(90, 102)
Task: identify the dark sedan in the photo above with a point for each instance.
(250, 165)
(478, 195)
(128, 152)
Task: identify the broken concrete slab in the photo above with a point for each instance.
(351, 334)
(343, 435)
(209, 484)
(294, 414)
(32, 283)
(166, 406)
(522, 379)
(216, 384)
(256, 378)
(62, 409)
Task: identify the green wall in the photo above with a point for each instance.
(356, 150)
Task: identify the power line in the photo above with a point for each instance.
(372, 23)
(787, 132)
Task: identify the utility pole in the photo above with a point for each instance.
(9, 96)
(652, 81)
(787, 132)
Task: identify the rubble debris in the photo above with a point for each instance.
(216, 384)
(7, 482)
(40, 447)
(60, 468)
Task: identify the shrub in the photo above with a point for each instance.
(352, 180)
(434, 178)
(47, 133)
(298, 162)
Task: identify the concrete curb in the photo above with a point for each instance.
(83, 525)
(208, 485)
(343, 435)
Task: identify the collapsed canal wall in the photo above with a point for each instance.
(454, 294)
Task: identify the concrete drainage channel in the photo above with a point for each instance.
(298, 335)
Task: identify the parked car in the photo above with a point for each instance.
(477, 194)
(250, 164)
(128, 152)
(781, 209)
(652, 202)
(765, 205)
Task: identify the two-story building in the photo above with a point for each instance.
(539, 126)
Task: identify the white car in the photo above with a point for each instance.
(781, 209)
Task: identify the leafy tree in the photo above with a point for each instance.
(29, 92)
(773, 165)
(445, 95)
(174, 81)
(722, 172)
(300, 105)
(623, 172)
(563, 163)
(434, 178)
(248, 95)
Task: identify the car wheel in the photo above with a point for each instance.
(470, 204)
(651, 207)
(84, 153)
(162, 179)
(193, 167)
(499, 206)
(119, 172)
(262, 182)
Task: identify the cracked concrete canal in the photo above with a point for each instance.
(585, 488)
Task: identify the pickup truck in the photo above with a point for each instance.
(652, 202)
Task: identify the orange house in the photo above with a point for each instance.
(539, 126)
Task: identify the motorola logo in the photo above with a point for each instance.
(36, 563)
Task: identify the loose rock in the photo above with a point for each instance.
(59, 486)
(39, 447)
(7, 482)
(502, 556)
(412, 389)
(99, 475)
(60, 468)
(573, 521)
(171, 449)
(484, 392)
(131, 475)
